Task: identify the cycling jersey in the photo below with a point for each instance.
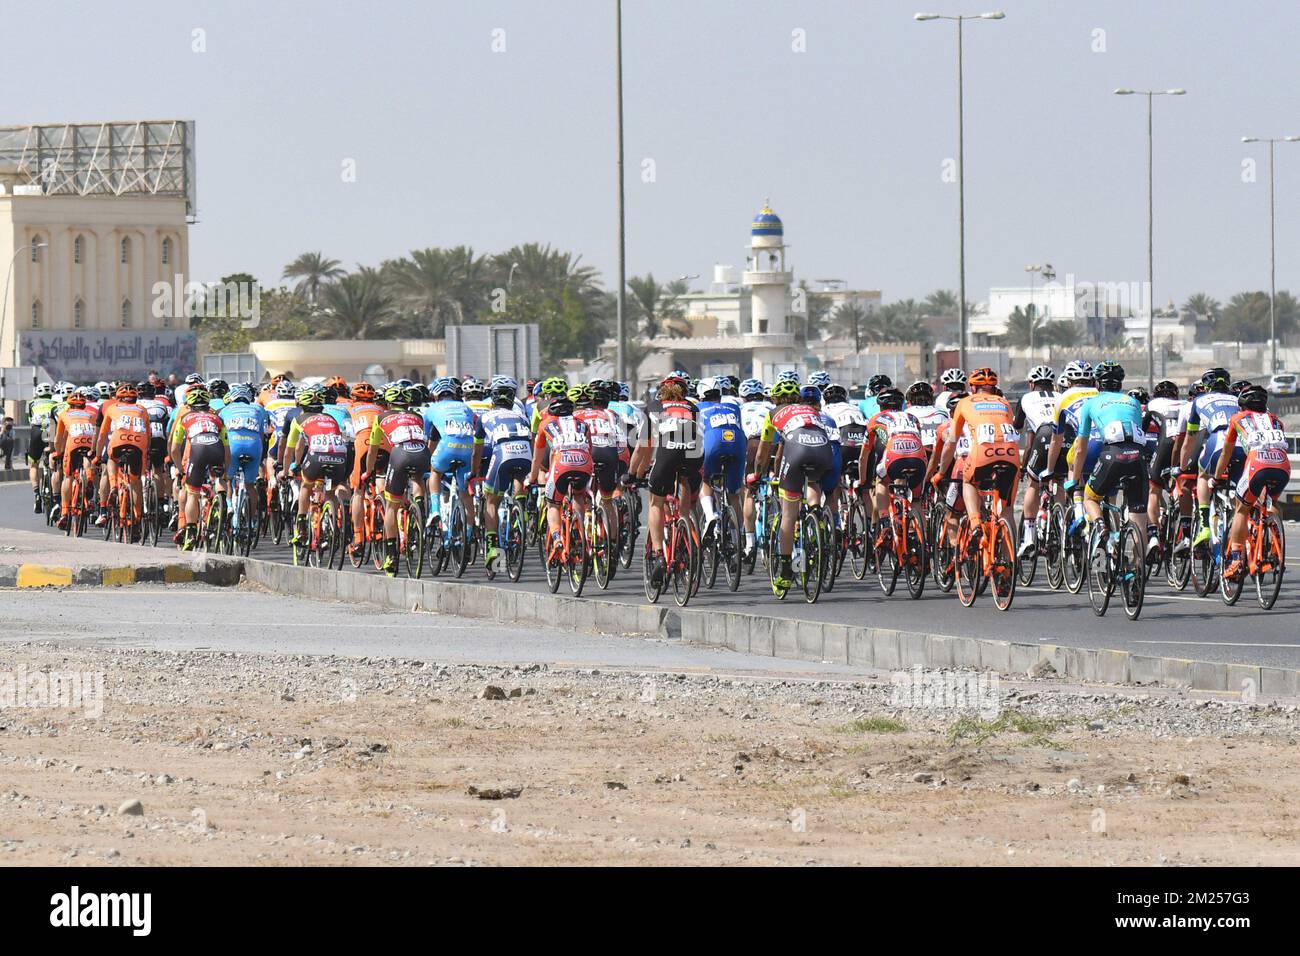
(400, 435)
(1112, 418)
(455, 429)
(343, 417)
(752, 416)
(247, 426)
(988, 421)
(869, 406)
(77, 428)
(203, 434)
(848, 423)
(931, 418)
(1169, 412)
(902, 450)
(508, 447)
(571, 465)
(278, 409)
(127, 429)
(1267, 467)
(326, 446)
(633, 419)
(807, 453)
(1035, 409)
(785, 422)
(1212, 411)
(1066, 422)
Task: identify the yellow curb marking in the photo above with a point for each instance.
(119, 576)
(41, 575)
(175, 575)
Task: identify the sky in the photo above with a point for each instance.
(492, 122)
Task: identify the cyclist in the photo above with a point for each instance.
(986, 419)
(455, 446)
(38, 416)
(901, 453)
(1034, 416)
(671, 456)
(315, 447)
(218, 388)
(1113, 420)
(1081, 387)
(634, 419)
(847, 421)
(609, 444)
(570, 465)
(731, 389)
(365, 410)
(159, 411)
(936, 472)
(399, 443)
(1164, 410)
(1267, 467)
(805, 459)
(550, 389)
(951, 382)
(830, 481)
(508, 448)
(124, 438)
(875, 385)
(248, 426)
(1210, 413)
(725, 446)
(475, 394)
(754, 409)
(199, 443)
(74, 443)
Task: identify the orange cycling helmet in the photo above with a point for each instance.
(126, 392)
(335, 382)
(363, 392)
(982, 377)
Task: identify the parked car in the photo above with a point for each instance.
(1284, 383)
(1289, 501)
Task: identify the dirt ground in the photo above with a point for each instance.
(242, 759)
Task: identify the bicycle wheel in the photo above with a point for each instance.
(512, 542)
(1229, 589)
(1132, 570)
(944, 570)
(325, 544)
(810, 573)
(579, 553)
(1204, 567)
(969, 565)
(462, 544)
(830, 547)
(750, 556)
(1178, 553)
(887, 564)
(1002, 578)
(914, 553)
(1074, 553)
(652, 591)
(729, 545)
(602, 547)
(709, 557)
(148, 512)
(411, 533)
(277, 515)
(627, 531)
(684, 563)
(1101, 581)
(111, 514)
(772, 557)
(1272, 562)
(855, 531)
(1053, 560)
(1027, 566)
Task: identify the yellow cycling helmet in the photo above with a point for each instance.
(581, 394)
(785, 388)
(554, 386)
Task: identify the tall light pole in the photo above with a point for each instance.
(1151, 269)
(621, 328)
(1033, 270)
(1272, 244)
(960, 19)
(4, 308)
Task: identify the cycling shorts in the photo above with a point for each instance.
(409, 459)
(1120, 467)
(805, 458)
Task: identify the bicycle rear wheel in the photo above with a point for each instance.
(914, 553)
(969, 569)
(709, 557)
(579, 553)
(1027, 566)
(411, 518)
(684, 563)
(729, 545)
(887, 566)
(1101, 579)
(1002, 579)
(813, 556)
(603, 559)
(1053, 560)
(512, 542)
(1132, 570)
(1074, 554)
(652, 590)
(325, 544)
(1178, 560)
(1272, 562)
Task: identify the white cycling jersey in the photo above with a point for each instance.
(1038, 408)
(932, 418)
(753, 415)
(1171, 410)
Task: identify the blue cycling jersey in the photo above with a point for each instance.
(452, 422)
(245, 418)
(721, 423)
(869, 406)
(1212, 411)
(506, 429)
(1110, 418)
(344, 419)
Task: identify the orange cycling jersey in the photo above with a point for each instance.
(898, 433)
(77, 428)
(987, 421)
(364, 416)
(1262, 435)
(126, 425)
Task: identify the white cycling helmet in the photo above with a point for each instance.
(710, 384)
(1042, 373)
(65, 389)
(952, 377)
(44, 390)
(1078, 371)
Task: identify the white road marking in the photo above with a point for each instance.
(1215, 644)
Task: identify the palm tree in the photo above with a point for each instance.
(1201, 303)
(896, 322)
(940, 302)
(359, 305)
(1022, 321)
(850, 320)
(313, 270)
(433, 284)
(655, 305)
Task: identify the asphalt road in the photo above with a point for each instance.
(1173, 624)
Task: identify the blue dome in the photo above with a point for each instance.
(767, 223)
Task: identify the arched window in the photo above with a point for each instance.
(36, 314)
(78, 314)
(126, 313)
(166, 252)
(126, 251)
(36, 248)
(78, 245)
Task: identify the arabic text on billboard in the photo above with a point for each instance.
(87, 357)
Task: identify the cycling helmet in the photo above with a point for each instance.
(706, 386)
(194, 378)
(789, 375)
(821, 378)
(145, 389)
(1141, 394)
(561, 405)
(239, 393)
(363, 392)
(982, 377)
(537, 389)
(498, 380)
(105, 390)
(835, 393)
(44, 390)
(1062, 382)
(1216, 379)
(89, 393)
(444, 387)
(335, 382)
(624, 392)
(1042, 373)
(397, 396)
(1078, 371)
(785, 390)
(732, 383)
(126, 393)
(580, 394)
(1240, 386)
(286, 389)
(952, 378)
(751, 388)
(890, 399)
(604, 391)
(1108, 373)
(76, 400)
(473, 389)
(311, 397)
(954, 398)
(878, 382)
(1196, 388)
(920, 393)
(64, 390)
(1253, 398)
(218, 387)
(197, 396)
(1166, 389)
(810, 394)
(554, 386)
(405, 382)
(503, 394)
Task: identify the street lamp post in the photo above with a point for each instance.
(4, 307)
(1272, 244)
(1033, 270)
(621, 329)
(960, 19)
(1151, 280)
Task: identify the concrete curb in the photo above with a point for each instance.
(14, 474)
(881, 648)
(217, 571)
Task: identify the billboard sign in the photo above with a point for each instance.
(93, 356)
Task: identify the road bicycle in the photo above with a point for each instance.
(151, 509)
(990, 560)
(627, 506)
(679, 562)
(122, 524)
(316, 540)
(1175, 530)
(1116, 558)
(245, 518)
(1207, 558)
(214, 512)
(1264, 557)
(511, 533)
(602, 542)
(766, 511)
(902, 543)
(80, 504)
(370, 542)
(809, 555)
(1046, 543)
(451, 539)
(721, 544)
(570, 556)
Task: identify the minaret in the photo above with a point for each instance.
(766, 274)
